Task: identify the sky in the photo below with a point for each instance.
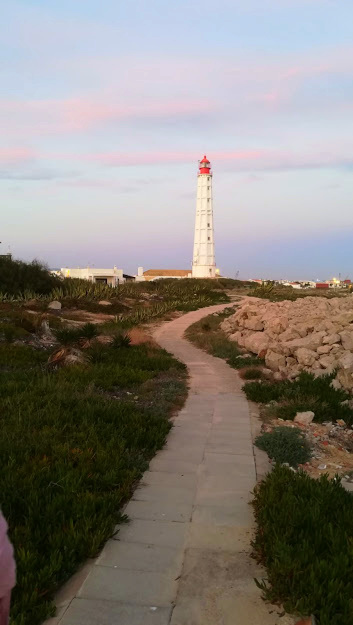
(106, 108)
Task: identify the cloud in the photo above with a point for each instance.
(11, 156)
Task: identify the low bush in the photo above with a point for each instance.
(73, 443)
(304, 538)
(285, 444)
(16, 277)
(305, 393)
(121, 340)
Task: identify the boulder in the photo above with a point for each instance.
(274, 360)
(346, 361)
(330, 339)
(254, 323)
(304, 417)
(324, 349)
(54, 305)
(347, 339)
(256, 343)
(305, 356)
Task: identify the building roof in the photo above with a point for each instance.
(167, 272)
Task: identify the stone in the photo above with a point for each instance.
(257, 342)
(327, 361)
(346, 361)
(331, 339)
(54, 305)
(274, 360)
(254, 324)
(336, 384)
(104, 302)
(305, 356)
(324, 349)
(304, 417)
(347, 339)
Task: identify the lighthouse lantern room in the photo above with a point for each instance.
(203, 264)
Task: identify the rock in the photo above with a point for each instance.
(254, 324)
(347, 339)
(54, 305)
(326, 361)
(322, 467)
(305, 356)
(331, 339)
(313, 334)
(346, 361)
(324, 349)
(345, 378)
(66, 356)
(256, 343)
(104, 302)
(336, 384)
(274, 360)
(304, 417)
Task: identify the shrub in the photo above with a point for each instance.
(121, 340)
(304, 538)
(16, 277)
(67, 336)
(285, 444)
(88, 331)
(305, 393)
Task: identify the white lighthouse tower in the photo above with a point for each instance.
(203, 263)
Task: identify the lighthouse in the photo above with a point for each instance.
(203, 263)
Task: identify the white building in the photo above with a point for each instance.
(203, 263)
(113, 277)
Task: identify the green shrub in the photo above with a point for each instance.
(304, 538)
(67, 336)
(121, 340)
(305, 393)
(285, 444)
(16, 277)
(88, 331)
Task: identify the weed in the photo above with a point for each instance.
(304, 538)
(285, 444)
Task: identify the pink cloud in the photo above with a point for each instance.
(11, 156)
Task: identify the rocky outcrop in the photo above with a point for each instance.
(309, 334)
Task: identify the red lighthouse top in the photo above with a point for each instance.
(205, 166)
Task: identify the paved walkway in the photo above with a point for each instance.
(184, 557)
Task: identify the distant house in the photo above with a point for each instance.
(113, 276)
(159, 274)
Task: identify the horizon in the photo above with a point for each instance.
(107, 109)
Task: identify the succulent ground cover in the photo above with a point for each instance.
(73, 442)
(304, 539)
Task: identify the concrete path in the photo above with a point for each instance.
(184, 557)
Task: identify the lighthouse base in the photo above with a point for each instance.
(203, 271)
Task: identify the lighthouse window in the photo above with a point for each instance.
(208, 238)
(208, 225)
